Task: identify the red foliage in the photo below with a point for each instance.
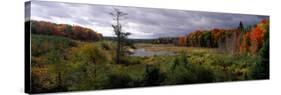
(74, 32)
(252, 41)
(256, 38)
(247, 41)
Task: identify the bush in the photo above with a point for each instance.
(118, 81)
(153, 76)
(41, 45)
(41, 80)
(181, 59)
(89, 54)
(106, 45)
(183, 73)
(261, 70)
(130, 60)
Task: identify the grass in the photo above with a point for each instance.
(62, 64)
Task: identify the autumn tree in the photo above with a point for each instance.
(182, 41)
(249, 39)
(261, 70)
(253, 40)
(65, 30)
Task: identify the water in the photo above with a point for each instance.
(143, 53)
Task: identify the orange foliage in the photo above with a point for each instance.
(252, 41)
(247, 41)
(74, 32)
(245, 44)
(182, 41)
(256, 38)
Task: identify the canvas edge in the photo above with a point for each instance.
(27, 43)
(27, 47)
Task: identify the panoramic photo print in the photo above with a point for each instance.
(78, 47)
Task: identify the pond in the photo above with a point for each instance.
(144, 53)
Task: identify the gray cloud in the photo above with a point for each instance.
(141, 22)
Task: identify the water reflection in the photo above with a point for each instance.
(144, 53)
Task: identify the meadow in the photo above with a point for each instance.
(64, 64)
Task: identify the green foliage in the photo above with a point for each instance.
(180, 60)
(119, 81)
(130, 60)
(225, 67)
(62, 64)
(153, 76)
(44, 44)
(106, 45)
(58, 62)
(207, 39)
(183, 73)
(89, 54)
(261, 70)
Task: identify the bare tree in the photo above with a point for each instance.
(117, 15)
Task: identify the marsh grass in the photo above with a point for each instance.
(74, 65)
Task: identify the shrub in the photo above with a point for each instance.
(130, 60)
(42, 80)
(89, 53)
(106, 45)
(118, 81)
(261, 70)
(183, 73)
(153, 76)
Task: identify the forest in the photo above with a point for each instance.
(74, 58)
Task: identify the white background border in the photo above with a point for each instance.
(12, 47)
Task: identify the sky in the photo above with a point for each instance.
(142, 23)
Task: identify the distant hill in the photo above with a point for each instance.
(65, 30)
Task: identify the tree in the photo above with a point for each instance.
(64, 30)
(261, 70)
(182, 40)
(207, 39)
(241, 26)
(121, 36)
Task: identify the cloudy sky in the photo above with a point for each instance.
(141, 22)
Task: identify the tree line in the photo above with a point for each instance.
(71, 31)
(241, 39)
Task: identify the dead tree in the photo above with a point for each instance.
(117, 15)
